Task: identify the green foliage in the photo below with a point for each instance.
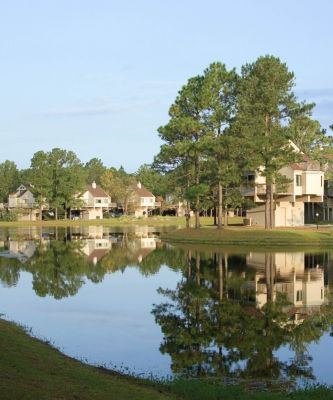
(9, 179)
(57, 177)
(120, 186)
(153, 180)
(8, 215)
(94, 169)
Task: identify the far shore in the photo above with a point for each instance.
(155, 220)
(253, 236)
(235, 234)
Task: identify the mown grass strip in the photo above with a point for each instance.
(248, 236)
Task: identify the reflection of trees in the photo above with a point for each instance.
(9, 271)
(212, 327)
(58, 270)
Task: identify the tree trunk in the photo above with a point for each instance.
(267, 206)
(219, 223)
(272, 206)
(197, 265)
(225, 217)
(41, 213)
(187, 215)
(56, 213)
(197, 200)
(220, 276)
(270, 276)
(226, 268)
(197, 219)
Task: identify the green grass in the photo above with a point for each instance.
(199, 390)
(251, 236)
(31, 369)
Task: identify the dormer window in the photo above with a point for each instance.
(298, 180)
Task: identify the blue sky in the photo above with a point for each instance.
(98, 77)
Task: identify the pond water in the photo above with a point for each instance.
(126, 300)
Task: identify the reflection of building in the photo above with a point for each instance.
(142, 246)
(90, 231)
(96, 249)
(21, 250)
(297, 275)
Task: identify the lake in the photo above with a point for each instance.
(123, 299)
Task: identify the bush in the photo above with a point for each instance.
(8, 215)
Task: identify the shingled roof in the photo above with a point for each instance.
(142, 191)
(96, 190)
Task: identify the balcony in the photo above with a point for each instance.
(23, 205)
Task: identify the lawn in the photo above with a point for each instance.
(252, 236)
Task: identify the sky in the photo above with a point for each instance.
(98, 76)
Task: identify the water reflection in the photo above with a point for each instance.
(61, 261)
(230, 314)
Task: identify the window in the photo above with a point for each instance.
(251, 178)
(299, 295)
(298, 180)
(98, 201)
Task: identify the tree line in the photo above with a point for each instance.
(58, 176)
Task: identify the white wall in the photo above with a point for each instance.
(313, 182)
(286, 214)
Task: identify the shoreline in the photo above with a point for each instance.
(32, 368)
(252, 236)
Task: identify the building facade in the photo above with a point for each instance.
(304, 184)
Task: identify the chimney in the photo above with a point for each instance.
(93, 185)
(138, 185)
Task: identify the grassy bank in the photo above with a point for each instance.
(251, 236)
(31, 369)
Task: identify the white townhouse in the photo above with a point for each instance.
(143, 201)
(23, 201)
(95, 201)
(306, 186)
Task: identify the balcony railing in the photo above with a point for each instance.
(23, 205)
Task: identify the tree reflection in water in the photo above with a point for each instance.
(60, 267)
(229, 314)
(214, 325)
